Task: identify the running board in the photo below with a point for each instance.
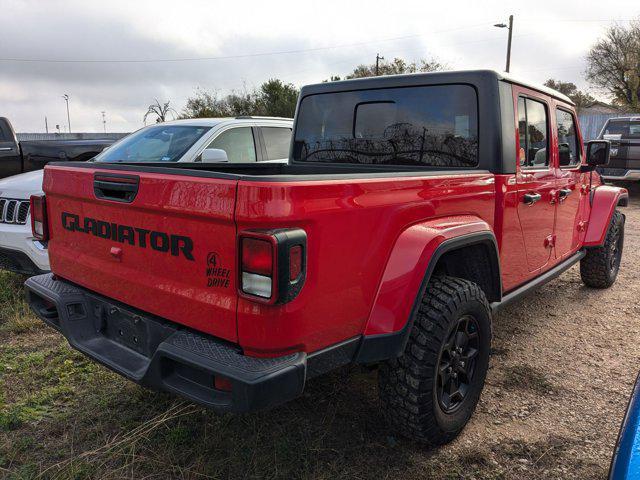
(537, 282)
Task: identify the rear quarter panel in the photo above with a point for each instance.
(352, 226)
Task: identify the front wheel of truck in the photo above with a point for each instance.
(599, 267)
(430, 392)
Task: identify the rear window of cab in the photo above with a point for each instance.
(434, 126)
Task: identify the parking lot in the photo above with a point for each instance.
(563, 365)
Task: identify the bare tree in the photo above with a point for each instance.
(614, 64)
(161, 111)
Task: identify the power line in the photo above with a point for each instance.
(246, 55)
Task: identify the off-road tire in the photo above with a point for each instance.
(409, 385)
(599, 267)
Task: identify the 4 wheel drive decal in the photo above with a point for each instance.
(217, 275)
(140, 237)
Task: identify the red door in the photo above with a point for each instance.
(571, 197)
(536, 179)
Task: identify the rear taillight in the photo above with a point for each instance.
(39, 226)
(257, 267)
(272, 264)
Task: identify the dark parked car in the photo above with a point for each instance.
(624, 135)
(18, 157)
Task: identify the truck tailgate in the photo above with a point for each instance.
(170, 251)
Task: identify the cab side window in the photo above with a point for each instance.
(533, 125)
(276, 142)
(238, 143)
(568, 147)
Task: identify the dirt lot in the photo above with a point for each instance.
(564, 363)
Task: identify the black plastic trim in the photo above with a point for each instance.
(332, 357)
(623, 200)
(507, 132)
(540, 280)
(273, 172)
(286, 240)
(376, 348)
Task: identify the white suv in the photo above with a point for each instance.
(19, 251)
(234, 140)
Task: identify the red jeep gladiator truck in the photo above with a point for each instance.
(411, 209)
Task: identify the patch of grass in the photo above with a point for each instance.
(27, 471)
(15, 315)
(40, 383)
(526, 377)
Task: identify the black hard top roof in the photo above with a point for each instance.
(412, 79)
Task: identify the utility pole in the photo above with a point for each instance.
(46, 125)
(510, 27)
(104, 122)
(378, 58)
(66, 99)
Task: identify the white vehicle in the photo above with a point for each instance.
(19, 251)
(234, 140)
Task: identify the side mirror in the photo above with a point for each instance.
(598, 152)
(214, 155)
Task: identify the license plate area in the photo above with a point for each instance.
(129, 328)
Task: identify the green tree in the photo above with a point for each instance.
(274, 99)
(277, 99)
(396, 66)
(613, 64)
(205, 104)
(581, 99)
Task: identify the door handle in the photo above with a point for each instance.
(564, 193)
(5, 149)
(118, 188)
(531, 198)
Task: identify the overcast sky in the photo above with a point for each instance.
(297, 41)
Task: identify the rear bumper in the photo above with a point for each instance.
(161, 355)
